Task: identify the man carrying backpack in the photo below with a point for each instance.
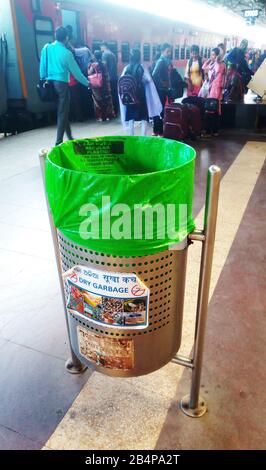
(161, 76)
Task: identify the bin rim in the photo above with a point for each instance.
(108, 175)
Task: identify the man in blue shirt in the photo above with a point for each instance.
(57, 63)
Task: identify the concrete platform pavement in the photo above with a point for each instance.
(42, 404)
(144, 412)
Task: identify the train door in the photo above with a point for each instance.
(3, 73)
(71, 18)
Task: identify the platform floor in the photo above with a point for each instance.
(42, 406)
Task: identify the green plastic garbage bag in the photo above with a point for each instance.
(125, 196)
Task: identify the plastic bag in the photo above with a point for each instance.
(112, 194)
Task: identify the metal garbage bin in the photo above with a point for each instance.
(155, 303)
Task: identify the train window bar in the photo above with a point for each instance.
(43, 32)
(125, 52)
(172, 53)
(177, 50)
(209, 52)
(96, 44)
(182, 55)
(206, 53)
(155, 50)
(146, 52)
(187, 53)
(202, 52)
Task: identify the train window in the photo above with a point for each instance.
(125, 52)
(182, 55)
(202, 52)
(36, 6)
(155, 50)
(146, 52)
(96, 44)
(44, 32)
(206, 53)
(113, 47)
(187, 53)
(137, 45)
(43, 25)
(209, 52)
(177, 49)
(172, 53)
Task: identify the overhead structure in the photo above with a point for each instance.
(239, 7)
(224, 17)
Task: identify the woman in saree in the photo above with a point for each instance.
(102, 97)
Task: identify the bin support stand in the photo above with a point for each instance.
(73, 364)
(193, 405)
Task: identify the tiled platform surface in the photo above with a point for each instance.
(36, 391)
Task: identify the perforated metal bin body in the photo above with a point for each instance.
(164, 274)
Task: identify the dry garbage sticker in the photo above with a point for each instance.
(112, 353)
(114, 299)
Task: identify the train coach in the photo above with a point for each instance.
(27, 25)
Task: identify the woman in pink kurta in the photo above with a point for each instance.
(216, 70)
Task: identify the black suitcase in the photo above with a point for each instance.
(15, 121)
(211, 105)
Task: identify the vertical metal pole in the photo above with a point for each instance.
(73, 364)
(193, 405)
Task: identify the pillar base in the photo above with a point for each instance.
(193, 412)
(72, 369)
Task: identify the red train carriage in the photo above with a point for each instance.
(26, 25)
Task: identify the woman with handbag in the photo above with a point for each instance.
(101, 89)
(216, 70)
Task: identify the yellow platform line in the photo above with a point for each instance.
(113, 413)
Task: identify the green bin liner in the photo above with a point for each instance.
(112, 194)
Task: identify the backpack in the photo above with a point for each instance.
(128, 88)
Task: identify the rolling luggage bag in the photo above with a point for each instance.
(175, 122)
(211, 115)
(194, 120)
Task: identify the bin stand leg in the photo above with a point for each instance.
(73, 364)
(193, 405)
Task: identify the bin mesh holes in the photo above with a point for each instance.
(154, 270)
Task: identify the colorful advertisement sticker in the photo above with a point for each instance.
(114, 299)
(113, 353)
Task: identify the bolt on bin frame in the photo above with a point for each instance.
(192, 405)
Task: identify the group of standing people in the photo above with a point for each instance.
(223, 72)
(155, 87)
(224, 76)
(141, 94)
(67, 68)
